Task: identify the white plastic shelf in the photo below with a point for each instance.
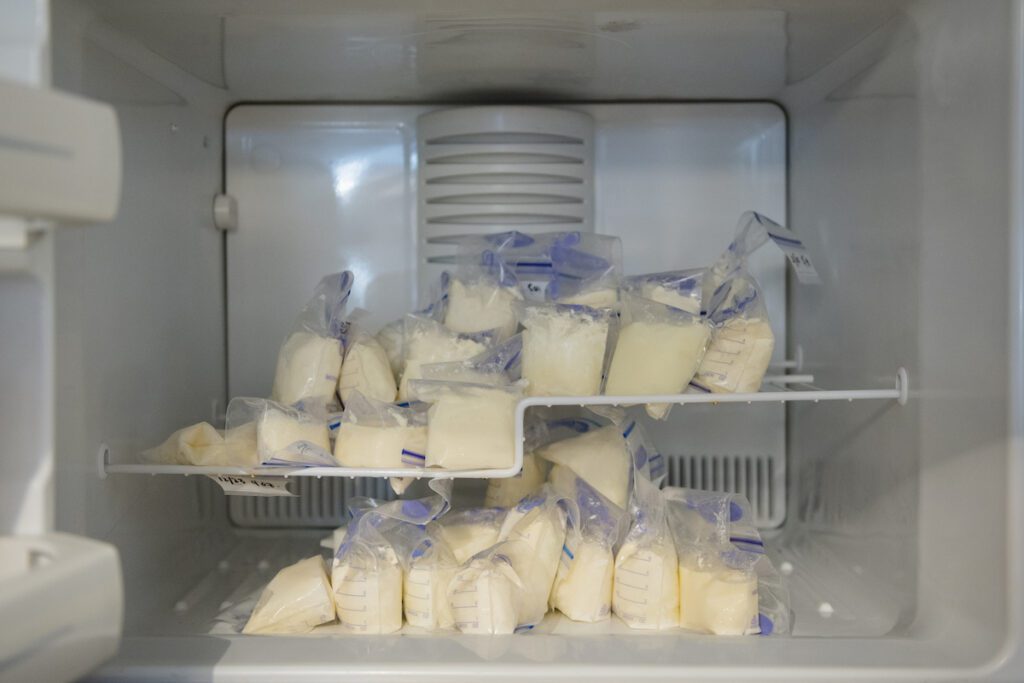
(778, 389)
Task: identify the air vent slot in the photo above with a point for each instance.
(319, 503)
(760, 478)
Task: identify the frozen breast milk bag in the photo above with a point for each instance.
(188, 446)
(477, 305)
(599, 457)
(583, 585)
(288, 435)
(727, 585)
(308, 367)
(309, 361)
(645, 589)
(645, 593)
(366, 369)
(429, 342)
(432, 568)
(391, 338)
(658, 351)
(742, 341)
(469, 426)
(508, 491)
(564, 349)
(297, 599)
(469, 532)
(367, 583)
(721, 601)
(532, 537)
(380, 435)
(484, 595)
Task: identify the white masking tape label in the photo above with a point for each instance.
(234, 485)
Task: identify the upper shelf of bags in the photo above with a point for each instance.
(520, 320)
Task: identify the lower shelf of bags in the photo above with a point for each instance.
(834, 592)
(268, 480)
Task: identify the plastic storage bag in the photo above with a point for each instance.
(468, 532)
(381, 435)
(470, 426)
(429, 571)
(532, 536)
(367, 574)
(585, 269)
(427, 341)
(677, 288)
(727, 584)
(645, 592)
(496, 366)
(309, 361)
(296, 600)
(482, 294)
(658, 350)
(366, 369)
(600, 457)
(564, 349)
(508, 491)
(742, 340)
(187, 446)
(485, 594)
(583, 584)
(285, 435)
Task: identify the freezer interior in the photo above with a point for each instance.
(885, 134)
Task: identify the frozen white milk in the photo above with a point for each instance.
(391, 337)
(391, 446)
(480, 306)
(563, 351)
(599, 457)
(583, 584)
(532, 538)
(469, 533)
(645, 592)
(484, 595)
(368, 591)
(366, 369)
(505, 493)
(239, 448)
(187, 446)
(607, 297)
(671, 296)
(656, 358)
(295, 438)
(428, 342)
(426, 594)
(471, 427)
(737, 357)
(720, 601)
(296, 600)
(308, 366)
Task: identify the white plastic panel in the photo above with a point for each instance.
(62, 605)
(60, 156)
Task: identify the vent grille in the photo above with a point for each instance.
(761, 478)
(318, 503)
(493, 169)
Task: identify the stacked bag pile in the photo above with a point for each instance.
(438, 388)
(585, 531)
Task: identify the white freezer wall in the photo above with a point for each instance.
(901, 161)
(140, 318)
